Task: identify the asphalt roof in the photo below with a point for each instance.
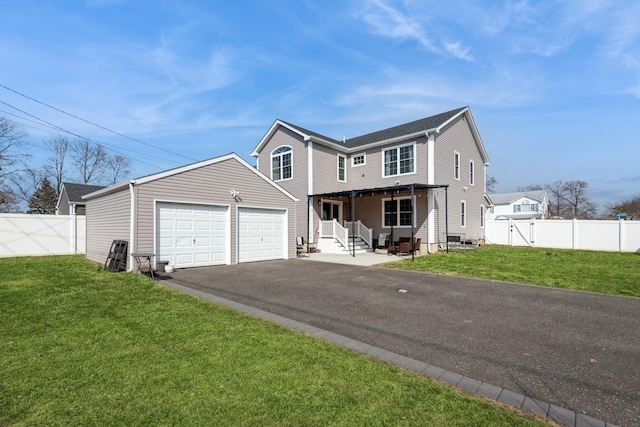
(76, 191)
(506, 198)
(415, 126)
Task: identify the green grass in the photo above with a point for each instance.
(604, 272)
(80, 346)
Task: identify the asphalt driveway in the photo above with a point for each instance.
(577, 350)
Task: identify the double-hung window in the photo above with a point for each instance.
(399, 160)
(472, 178)
(397, 212)
(281, 163)
(463, 213)
(342, 168)
(456, 165)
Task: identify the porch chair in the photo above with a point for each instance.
(405, 246)
(300, 245)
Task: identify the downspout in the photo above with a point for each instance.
(431, 227)
(309, 201)
(446, 215)
(132, 218)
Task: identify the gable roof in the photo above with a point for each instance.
(431, 124)
(507, 198)
(76, 191)
(186, 168)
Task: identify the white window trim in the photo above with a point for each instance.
(340, 156)
(398, 147)
(472, 173)
(353, 156)
(463, 214)
(280, 154)
(456, 166)
(398, 212)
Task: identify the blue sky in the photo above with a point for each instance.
(554, 86)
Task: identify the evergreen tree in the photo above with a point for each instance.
(44, 199)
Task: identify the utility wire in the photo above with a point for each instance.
(94, 124)
(71, 133)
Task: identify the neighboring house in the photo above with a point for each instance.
(519, 205)
(70, 200)
(425, 178)
(217, 211)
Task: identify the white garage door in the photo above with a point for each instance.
(191, 235)
(262, 234)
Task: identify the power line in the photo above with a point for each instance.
(92, 123)
(51, 125)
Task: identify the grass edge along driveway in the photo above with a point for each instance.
(616, 273)
(81, 346)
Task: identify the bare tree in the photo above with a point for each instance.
(11, 144)
(630, 206)
(491, 184)
(89, 159)
(575, 196)
(534, 187)
(118, 167)
(557, 204)
(59, 146)
(25, 182)
(7, 201)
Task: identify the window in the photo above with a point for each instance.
(397, 212)
(481, 216)
(463, 213)
(342, 165)
(456, 165)
(358, 160)
(525, 207)
(471, 173)
(399, 160)
(281, 163)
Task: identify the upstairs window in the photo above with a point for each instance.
(456, 165)
(358, 160)
(472, 178)
(281, 163)
(342, 168)
(533, 207)
(463, 213)
(399, 160)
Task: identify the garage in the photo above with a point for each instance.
(208, 213)
(261, 234)
(192, 235)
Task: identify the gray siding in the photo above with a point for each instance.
(457, 136)
(325, 170)
(298, 185)
(211, 185)
(370, 175)
(63, 207)
(107, 220)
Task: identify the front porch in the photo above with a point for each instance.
(356, 222)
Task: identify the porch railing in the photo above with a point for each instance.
(361, 230)
(335, 230)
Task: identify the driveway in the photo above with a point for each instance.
(577, 350)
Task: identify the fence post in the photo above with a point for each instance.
(620, 234)
(532, 233)
(574, 234)
(510, 231)
(74, 233)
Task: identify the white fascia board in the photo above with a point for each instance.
(264, 177)
(107, 190)
(269, 134)
(373, 144)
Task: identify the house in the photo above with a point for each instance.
(217, 211)
(519, 205)
(424, 179)
(70, 200)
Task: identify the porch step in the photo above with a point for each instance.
(332, 246)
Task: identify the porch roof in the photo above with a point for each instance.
(377, 190)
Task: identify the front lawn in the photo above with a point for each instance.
(80, 346)
(604, 272)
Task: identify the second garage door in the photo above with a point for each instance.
(262, 234)
(192, 235)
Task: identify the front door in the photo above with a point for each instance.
(331, 210)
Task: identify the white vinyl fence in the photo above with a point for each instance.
(23, 235)
(597, 235)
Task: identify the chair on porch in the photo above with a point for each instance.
(405, 246)
(300, 245)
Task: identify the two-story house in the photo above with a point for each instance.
(423, 179)
(519, 205)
